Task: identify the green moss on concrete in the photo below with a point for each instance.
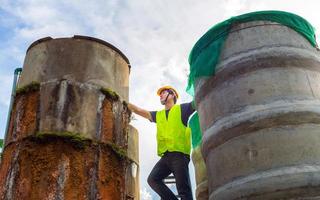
(79, 142)
(33, 86)
(110, 94)
(120, 152)
(75, 138)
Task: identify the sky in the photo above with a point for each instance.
(156, 35)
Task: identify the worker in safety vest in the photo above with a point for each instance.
(173, 141)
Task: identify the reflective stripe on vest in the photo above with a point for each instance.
(172, 134)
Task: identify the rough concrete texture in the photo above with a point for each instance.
(132, 176)
(281, 162)
(260, 116)
(23, 121)
(78, 59)
(200, 174)
(70, 106)
(66, 106)
(133, 144)
(57, 166)
(55, 169)
(68, 137)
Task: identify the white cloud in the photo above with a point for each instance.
(5, 95)
(5, 89)
(145, 195)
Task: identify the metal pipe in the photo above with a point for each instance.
(1, 145)
(17, 72)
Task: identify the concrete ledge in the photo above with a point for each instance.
(285, 182)
(257, 117)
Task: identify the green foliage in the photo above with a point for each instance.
(110, 94)
(1, 143)
(33, 86)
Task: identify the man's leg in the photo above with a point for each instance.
(155, 179)
(179, 165)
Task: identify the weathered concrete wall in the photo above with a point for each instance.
(68, 133)
(80, 59)
(260, 116)
(201, 174)
(54, 168)
(133, 172)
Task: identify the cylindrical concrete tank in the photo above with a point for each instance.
(68, 133)
(201, 174)
(197, 158)
(133, 171)
(260, 115)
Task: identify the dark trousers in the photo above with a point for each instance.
(176, 163)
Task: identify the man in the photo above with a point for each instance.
(173, 141)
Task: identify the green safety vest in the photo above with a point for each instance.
(172, 134)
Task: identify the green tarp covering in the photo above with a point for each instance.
(205, 53)
(1, 143)
(196, 134)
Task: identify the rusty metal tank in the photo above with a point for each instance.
(260, 115)
(68, 131)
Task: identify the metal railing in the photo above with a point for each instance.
(170, 180)
(17, 73)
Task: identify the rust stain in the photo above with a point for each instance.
(23, 121)
(107, 128)
(54, 168)
(111, 176)
(6, 161)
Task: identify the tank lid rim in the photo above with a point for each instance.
(85, 38)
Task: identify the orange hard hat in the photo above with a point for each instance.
(167, 87)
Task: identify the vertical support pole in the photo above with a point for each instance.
(17, 72)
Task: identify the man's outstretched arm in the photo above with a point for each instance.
(139, 111)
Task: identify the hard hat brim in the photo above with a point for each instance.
(167, 88)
